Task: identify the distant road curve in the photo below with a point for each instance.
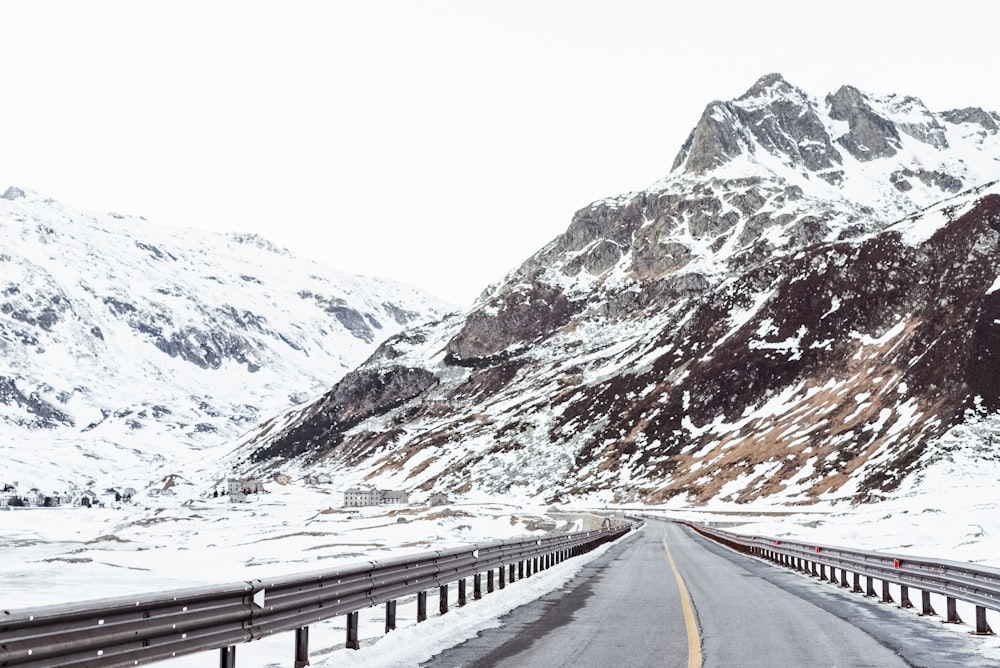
(627, 609)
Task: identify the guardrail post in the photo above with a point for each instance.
(352, 631)
(843, 579)
(953, 617)
(510, 574)
(502, 573)
(520, 570)
(489, 581)
(390, 616)
(925, 603)
(301, 647)
(857, 584)
(982, 626)
(442, 599)
(822, 571)
(869, 586)
(461, 592)
(227, 657)
(421, 606)
(886, 596)
(904, 597)
(477, 586)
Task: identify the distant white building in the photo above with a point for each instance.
(239, 488)
(355, 497)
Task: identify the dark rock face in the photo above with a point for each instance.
(715, 140)
(361, 394)
(870, 136)
(940, 180)
(40, 413)
(988, 119)
(352, 320)
(787, 124)
(207, 349)
(517, 319)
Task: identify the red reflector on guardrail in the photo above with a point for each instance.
(895, 563)
(817, 549)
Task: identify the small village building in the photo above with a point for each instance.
(87, 499)
(317, 479)
(356, 497)
(238, 489)
(438, 499)
(395, 496)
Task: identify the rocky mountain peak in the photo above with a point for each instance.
(774, 124)
(772, 115)
(13, 193)
(753, 324)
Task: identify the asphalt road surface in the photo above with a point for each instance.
(668, 597)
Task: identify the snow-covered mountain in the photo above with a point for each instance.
(802, 308)
(125, 344)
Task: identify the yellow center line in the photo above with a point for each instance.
(694, 641)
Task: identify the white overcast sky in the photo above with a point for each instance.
(440, 143)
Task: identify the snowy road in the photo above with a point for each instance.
(626, 608)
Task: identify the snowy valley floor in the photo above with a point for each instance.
(59, 555)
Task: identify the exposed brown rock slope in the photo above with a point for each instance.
(752, 325)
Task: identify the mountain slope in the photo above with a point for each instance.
(753, 324)
(125, 344)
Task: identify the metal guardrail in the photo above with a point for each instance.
(956, 581)
(136, 630)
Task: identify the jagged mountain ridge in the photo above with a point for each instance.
(126, 343)
(753, 324)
